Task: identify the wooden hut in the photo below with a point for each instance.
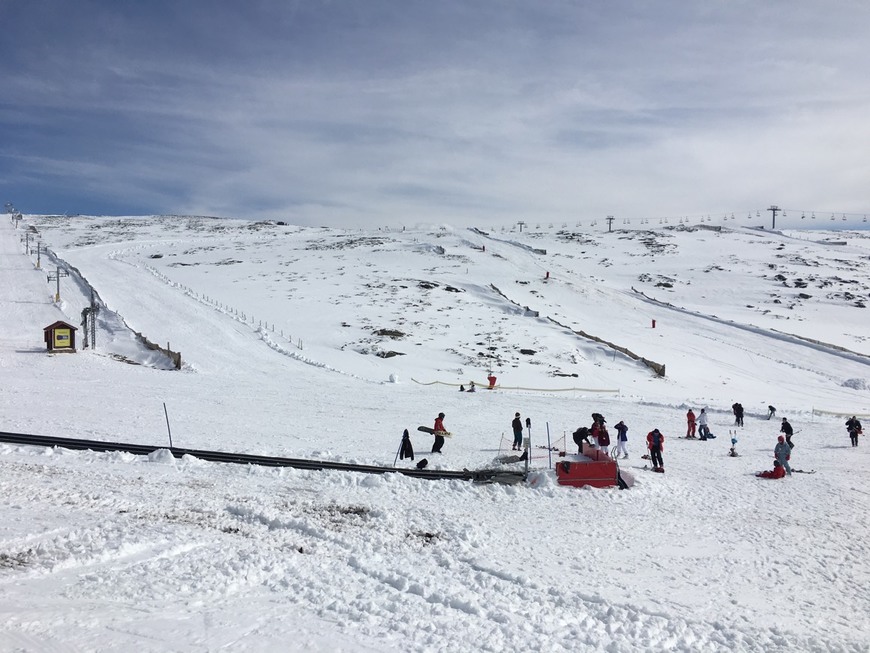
(60, 336)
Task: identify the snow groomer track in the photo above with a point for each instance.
(477, 476)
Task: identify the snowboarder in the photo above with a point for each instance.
(690, 422)
(777, 471)
(438, 432)
(854, 428)
(737, 408)
(782, 453)
(733, 450)
(788, 431)
(771, 412)
(702, 424)
(517, 426)
(621, 439)
(471, 387)
(655, 442)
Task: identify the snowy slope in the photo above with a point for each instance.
(278, 327)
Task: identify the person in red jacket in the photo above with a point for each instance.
(777, 472)
(439, 432)
(690, 421)
(655, 442)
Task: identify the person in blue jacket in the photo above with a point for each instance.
(782, 452)
(621, 439)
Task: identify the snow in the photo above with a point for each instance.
(277, 329)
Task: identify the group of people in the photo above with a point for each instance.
(701, 422)
(598, 437)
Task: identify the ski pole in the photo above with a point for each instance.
(165, 412)
(399, 451)
(549, 447)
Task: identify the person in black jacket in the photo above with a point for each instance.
(854, 428)
(738, 414)
(517, 426)
(787, 431)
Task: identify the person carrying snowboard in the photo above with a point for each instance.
(439, 432)
(655, 442)
(782, 453)
(787, 431)
(517, 426)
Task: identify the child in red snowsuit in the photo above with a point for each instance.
(777, 472)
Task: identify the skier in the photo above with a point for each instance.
(854, 428)
(621, 439)
(690, 421)
(771, 411)
(655, 442)
(782, 453)
(517, 426)
(776, 473)
(737, 408)
(702, 424)
(439, 431)
(788, 431)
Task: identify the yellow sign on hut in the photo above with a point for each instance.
(60, 336)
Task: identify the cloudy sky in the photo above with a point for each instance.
(462, 111)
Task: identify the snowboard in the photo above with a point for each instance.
(431, 431)
(803, 471)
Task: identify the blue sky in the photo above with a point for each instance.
(479, 112)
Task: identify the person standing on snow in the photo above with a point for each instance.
(517, 426)
(854, 428)
(603, 437)
(782, 453)
(621, 439)
(788, 431)
(703, 431)
(738, 414)
(655, 442)
(690, 422)
(439, 432)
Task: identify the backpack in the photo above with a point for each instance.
(657, 439)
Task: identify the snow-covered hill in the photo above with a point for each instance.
(327, 343)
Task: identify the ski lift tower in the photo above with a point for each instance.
(774, 209)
